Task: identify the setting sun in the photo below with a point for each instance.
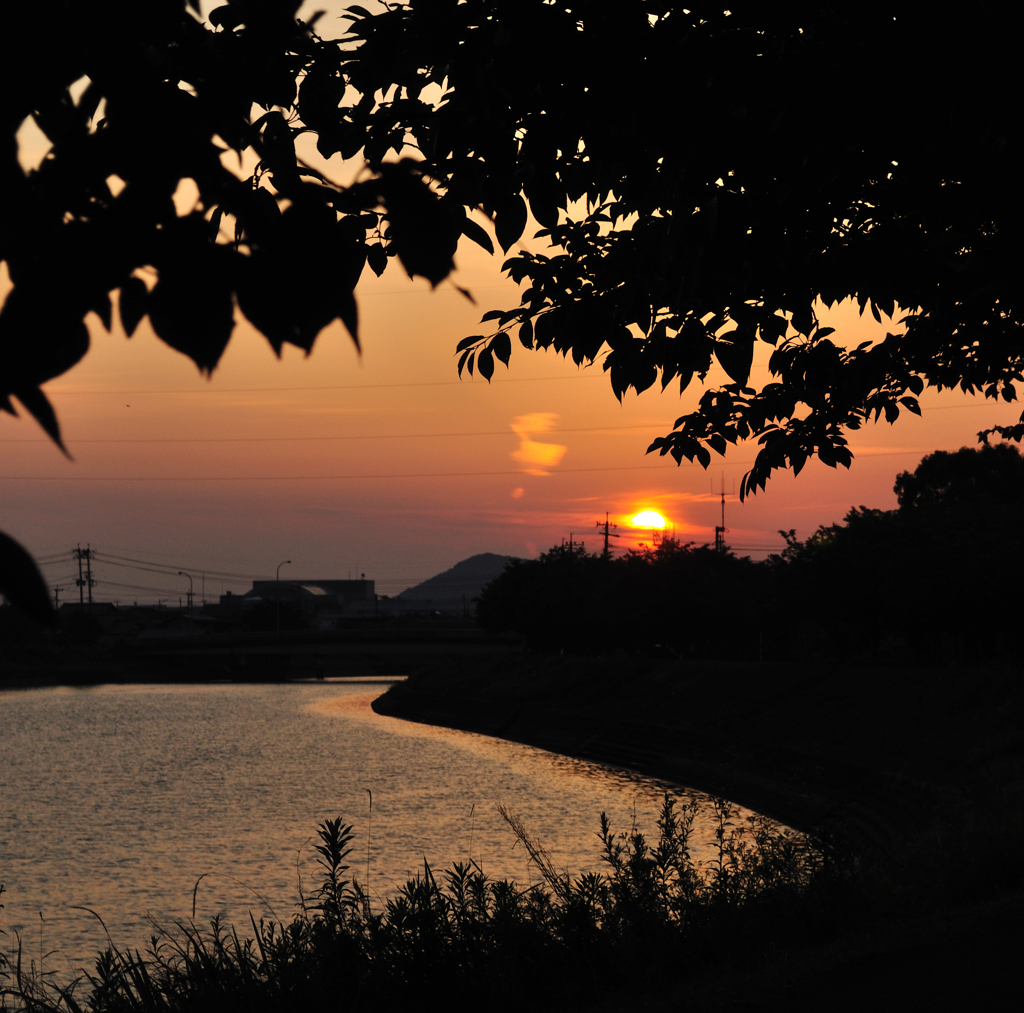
(648, 519)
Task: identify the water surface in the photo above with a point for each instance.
(119, 798)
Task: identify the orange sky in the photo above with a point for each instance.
(388, 464)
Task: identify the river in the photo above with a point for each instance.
(120, 799)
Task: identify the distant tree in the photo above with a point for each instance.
(705, 175)
(686, 599)
(916, 578)
(671, 598)
(561, 601)
(981, 478)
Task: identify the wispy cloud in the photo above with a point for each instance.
(537, 457)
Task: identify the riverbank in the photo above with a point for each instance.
(369, 649)
(919, 772)
(875, 751)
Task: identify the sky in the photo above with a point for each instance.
(386, 463)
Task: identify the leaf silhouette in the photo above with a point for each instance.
(377, 258)
(132, 304)
(21, 583)
(39, 407)
(502, 346)
(736, 353)
(471, 230)
(509, 221)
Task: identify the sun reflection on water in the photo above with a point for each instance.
(120, 798)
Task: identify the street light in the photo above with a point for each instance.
(182, 573)
(287, 562)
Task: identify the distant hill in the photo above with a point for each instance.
(466, 578)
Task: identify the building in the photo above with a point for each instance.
(322, 600)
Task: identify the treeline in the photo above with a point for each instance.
(935, 580)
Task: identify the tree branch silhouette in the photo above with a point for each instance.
(707, 179)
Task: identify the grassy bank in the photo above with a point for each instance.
(917, 739)
(905, 893)
(655, 920)
(918, 773)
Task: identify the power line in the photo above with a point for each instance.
(374, 436)
(371, 477)
(314, 439)
(162, 573)
(315, 478)
(343, 386)
(167, 570)
(166, 591)
(174, 567)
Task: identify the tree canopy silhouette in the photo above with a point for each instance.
(707, 178)
(906, 586)
(917, 577)
(671, 597)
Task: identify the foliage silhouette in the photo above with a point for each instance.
(907, 584)
(654, 915)
(677, 240)
(137, 103)
(978, 480)
(893, 586)
(22, 584)
(646, 601)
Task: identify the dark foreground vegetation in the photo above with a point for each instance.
(654, 918)
(926, 583)
(917, 772)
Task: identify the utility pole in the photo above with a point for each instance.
(56, 599)
(277, 595)
(607, 534)
(80, 582)
(182, 573)
(87, 581)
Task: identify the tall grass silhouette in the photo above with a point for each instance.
(655, 910)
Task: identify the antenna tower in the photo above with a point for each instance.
(720, 529)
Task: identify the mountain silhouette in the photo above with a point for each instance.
(466, 578)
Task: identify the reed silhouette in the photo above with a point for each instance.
(654, 914)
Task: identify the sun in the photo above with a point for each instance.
(648, 519)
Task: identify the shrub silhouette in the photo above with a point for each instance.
(654, 915)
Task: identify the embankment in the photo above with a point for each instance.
(265, 656)
(920, 771)
(873, 754)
